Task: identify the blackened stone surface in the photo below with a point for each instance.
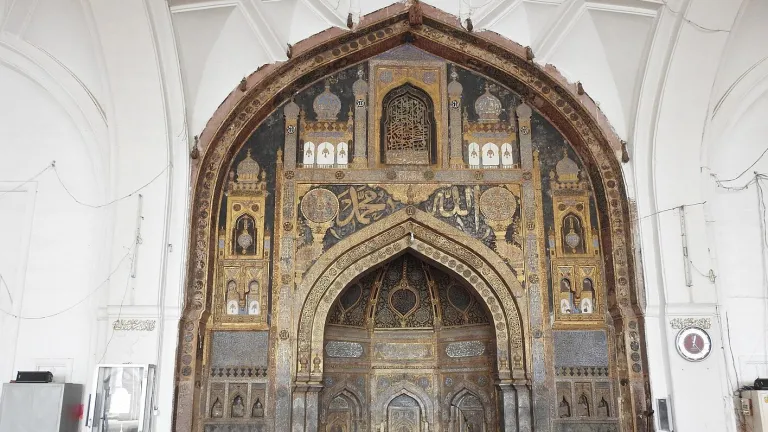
(581, 348)
(235, 428)
(239, 348)
(585, 427)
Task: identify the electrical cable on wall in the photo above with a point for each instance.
(720, 182)
(607, 229)
(52, 166)
(94, 291)
(56, 171)
(725, 330)
(119, 312)
(763, 246)
(31, 179)
(669, 209)
(695, 25)
(7, 289)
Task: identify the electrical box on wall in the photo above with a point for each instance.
(756, 403)
(664, 415)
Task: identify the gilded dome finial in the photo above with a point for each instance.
(454, 87)
(248, 173)
(327, 105)
(488, 106)
(567, 170)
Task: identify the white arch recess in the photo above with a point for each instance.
(434, 240)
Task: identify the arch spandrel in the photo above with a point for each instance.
(430, 238)
(488, 54)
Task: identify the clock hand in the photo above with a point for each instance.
(695, 345)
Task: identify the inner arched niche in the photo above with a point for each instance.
(409, 314)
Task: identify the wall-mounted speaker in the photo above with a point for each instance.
(34, 377)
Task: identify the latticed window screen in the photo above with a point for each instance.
(408, 127)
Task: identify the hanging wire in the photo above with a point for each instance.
(764, 242)
(31, 179)
(8, 290)
(52, 166)
(79, 302)
(119, 312)
(698, 26)
(669, 209)
(474, 8)
(114, 200)
(697, 269)
(743, 172)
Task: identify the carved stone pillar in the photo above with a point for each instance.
(312, 408)
(299, 408)
(508, 407)
(540, 397)
(360, 90)
(523, 394)
(454, 120)
(306, 407)
(291, 112)
(284, 357)
(524, 127)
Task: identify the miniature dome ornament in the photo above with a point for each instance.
(327, 105)
(360, 87)
(291, 109)
(567, 170)
(250, 176)
(454, 87)
(248, 170)
(488, 106)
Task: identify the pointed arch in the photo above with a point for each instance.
(468, 388)
(422, 234)
(403, 388)
(350, 395)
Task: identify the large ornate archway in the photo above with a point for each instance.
(431, 239)
(423, 235)
(618, 328)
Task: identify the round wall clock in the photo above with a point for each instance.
(693, 343)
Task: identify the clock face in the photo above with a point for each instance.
(693, 344)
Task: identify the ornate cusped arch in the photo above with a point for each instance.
(402, 388)
(432, 239)
(464, 389)
(575, 115)
(351, 395)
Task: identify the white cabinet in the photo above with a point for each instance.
(35, 407)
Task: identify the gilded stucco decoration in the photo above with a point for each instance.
(490, 215)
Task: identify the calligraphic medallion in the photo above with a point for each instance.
(319, 205)
(498, 204)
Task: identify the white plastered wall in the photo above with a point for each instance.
(94, 85)
(684, 134)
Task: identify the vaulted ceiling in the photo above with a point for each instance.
(602, 43)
